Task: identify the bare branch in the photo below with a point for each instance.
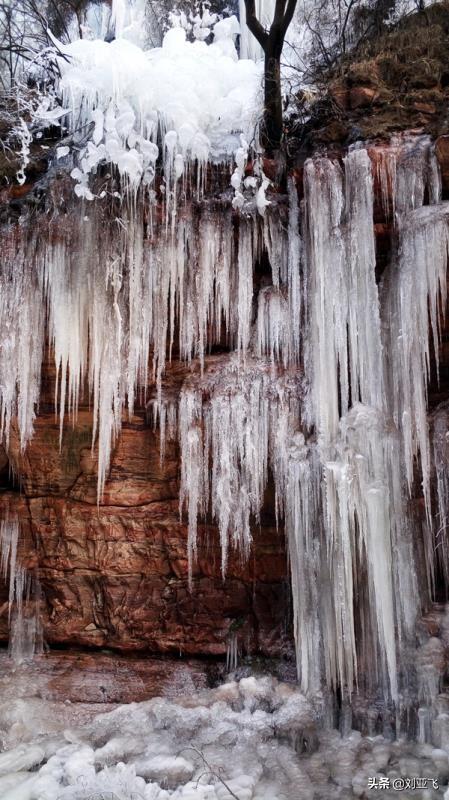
(288, 16)
(254, 25)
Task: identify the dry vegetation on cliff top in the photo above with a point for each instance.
(394, 81)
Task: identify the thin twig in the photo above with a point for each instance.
(211, 771)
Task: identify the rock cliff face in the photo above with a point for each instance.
(116, 574)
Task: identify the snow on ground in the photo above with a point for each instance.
(253, 739)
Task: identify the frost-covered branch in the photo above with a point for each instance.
(210, 770)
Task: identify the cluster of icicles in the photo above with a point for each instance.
(26, 636)
(325, 388)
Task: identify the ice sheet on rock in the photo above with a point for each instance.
(261, 739)
(417, 174)
(24, 595)
(407, 170)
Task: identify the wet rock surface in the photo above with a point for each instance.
(105, 677)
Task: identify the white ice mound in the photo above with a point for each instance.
(215, 745)
(22, 757)
(195, 98)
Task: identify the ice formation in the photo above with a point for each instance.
(422, 240)
(25, 630)
(324, 393)
(325, 387)
(21, 346)
(184, 103)
(440, 446)
(235, 738)
(249, 46)
(124, 299)
(229, 421)
(362, 499)
(251, 739)
(337, 460)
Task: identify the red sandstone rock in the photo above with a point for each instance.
(362, 97)
(271, 168)
(104, 678)
(442, 154)
(425, 108)
(116, 575)
(340, 96)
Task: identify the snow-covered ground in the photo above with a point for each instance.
(253, 739)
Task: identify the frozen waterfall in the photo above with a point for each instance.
(324, 390)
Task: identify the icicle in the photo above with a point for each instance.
(365, 348)
(9, 537)
(362, 497)
(440, 445)
(25, 628)
(232, 653)
(22, 340)
(225, 426)
(249, 47)
(277, 243)
(163, 413)
(326, 346)
(26, 634)
(416, 174)
(294, 282)
(273, 325)
(118, 16)
(414, 292)
(280, 306)
(407, 170)
(303, 524)
(245, 286)
(386, 163)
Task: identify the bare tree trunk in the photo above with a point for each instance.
(272, 42)
(271, 129)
